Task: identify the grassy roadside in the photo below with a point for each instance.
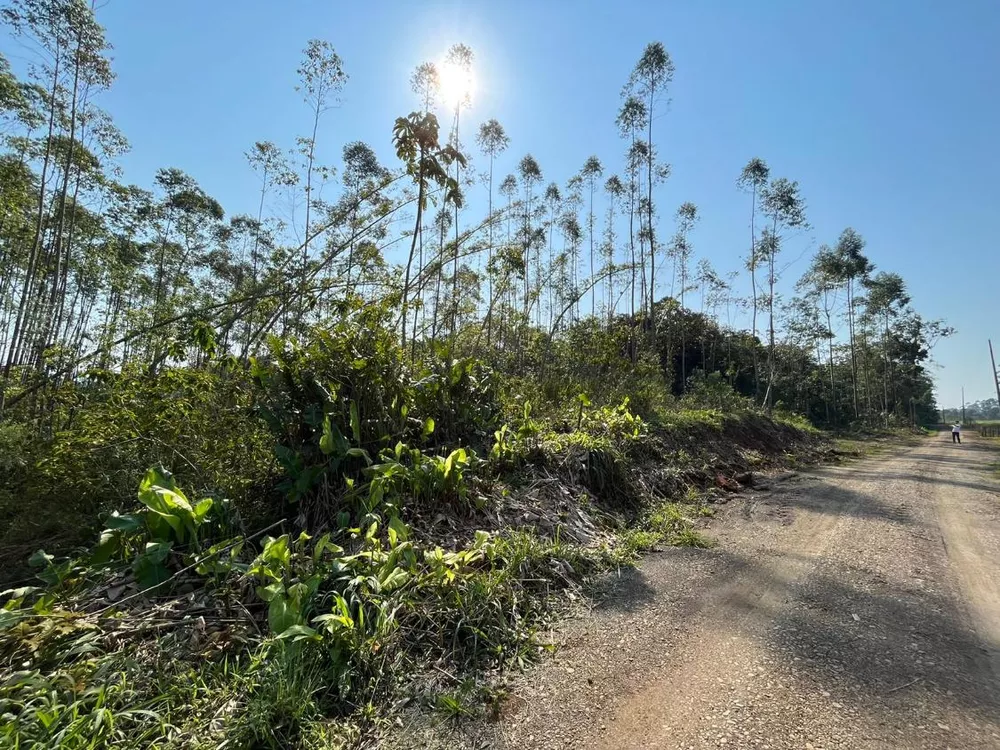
(171, 631)
(993, 444)
(877, 442)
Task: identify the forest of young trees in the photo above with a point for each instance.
(414, 373)
(987, 410)
(97, 275)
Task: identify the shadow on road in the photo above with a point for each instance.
(875, 636)
(927, 479)
(884, 650)
(831, 499)
(624, 590)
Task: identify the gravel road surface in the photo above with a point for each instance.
(849, 607)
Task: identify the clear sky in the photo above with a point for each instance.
(886, 111)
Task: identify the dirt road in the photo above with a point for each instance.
(852, 607)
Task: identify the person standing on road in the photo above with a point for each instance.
(956, 433)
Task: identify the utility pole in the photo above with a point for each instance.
(996, 376)
(963, 404)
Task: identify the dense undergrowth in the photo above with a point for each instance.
(329, 531)
(278, 474)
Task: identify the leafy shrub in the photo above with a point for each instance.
(201, 425)
(460, 395)
(406, 475)
(712, 391)
(587, 358)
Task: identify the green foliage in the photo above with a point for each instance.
(200, 425)
(52, 710)
(170, 523)
(407, 475)
(285, 687)
(592, 359)
(288, 577)
(667, 523)
(302, 374)
(459, 396)
(713, 392)
(335, 403)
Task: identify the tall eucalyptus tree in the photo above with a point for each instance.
(591, 173)
(649, 79)
(459, 59)
(631, 119)
(531, 175)
(614, 190)
(850, 265)
(321, 79)
(783, 205)
(493, 141)
(753, 179)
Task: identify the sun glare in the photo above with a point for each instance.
(456, 83)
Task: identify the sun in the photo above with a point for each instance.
(455, 84)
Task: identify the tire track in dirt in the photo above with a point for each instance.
(852, 608)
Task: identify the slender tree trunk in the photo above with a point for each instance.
(593, 296)
(71, 233)
(310, 160)
(419, 293)
(489, 263)
(753, 287)
(643, 296)
(649, 207)
(683, 327)
(36, 245)
(454, 279)
(865, 373)
(611, 262)
(829, 338)
(886, 372)
(413, 244)
(254, 254)
(62, 264)
(440, 281)
(770, 316)
(851, 336)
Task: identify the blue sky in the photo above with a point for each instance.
(886, 113)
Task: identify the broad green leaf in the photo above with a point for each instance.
(269, 592)
(300, 633)
(150, 568)
(127, 524)
(19, 593)
(394, 579)
(108, 547)
(202, 508)
(332, 443)
(326, 442)
(481, 540)
(360, 453)
(276, 552)
(297, 594)
(157, 551)
(280, 616)
(399, 528)
(156, 477)
(334, 622)
(40, 559)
